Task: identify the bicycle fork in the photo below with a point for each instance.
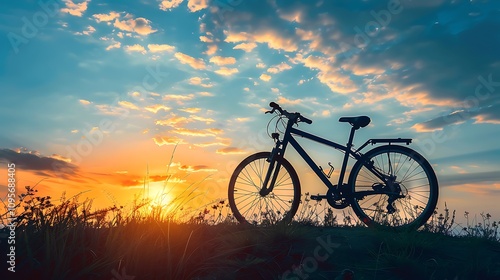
(272, 171)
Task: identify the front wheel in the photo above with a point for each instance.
(250, 205)
(407, 198)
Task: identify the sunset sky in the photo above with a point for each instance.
(95, 95)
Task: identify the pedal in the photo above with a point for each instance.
(318, 197)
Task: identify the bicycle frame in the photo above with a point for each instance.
(288, 138)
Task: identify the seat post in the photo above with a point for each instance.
(346, 156)
(351, 136)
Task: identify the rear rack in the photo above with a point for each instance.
(407, 141)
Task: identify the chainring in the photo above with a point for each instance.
(336, 199)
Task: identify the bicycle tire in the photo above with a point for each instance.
(245, 200)
(414, 185)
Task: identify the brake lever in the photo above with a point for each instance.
(270, 112)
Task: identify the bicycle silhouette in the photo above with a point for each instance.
(390, 185)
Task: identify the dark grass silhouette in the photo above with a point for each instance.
(71, 241)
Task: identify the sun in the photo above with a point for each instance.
(159, 195)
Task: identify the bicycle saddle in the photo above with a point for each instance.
(357, 122)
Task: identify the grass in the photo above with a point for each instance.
(71, 241)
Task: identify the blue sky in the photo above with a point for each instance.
(135, 78)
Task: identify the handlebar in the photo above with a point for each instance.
(297, 117)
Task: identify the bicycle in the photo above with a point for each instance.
(390, 185)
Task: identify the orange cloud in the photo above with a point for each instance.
(172, 121)
(106, 17)
(178, 97)
(485, 119)
(165, 140)
(191, 110)
(155, 48)
(157, 107)
(224, 71)
(84, 102)
(270, 37)
(196, 5)
(197, 168)
(206, 93)
(128, 105)
(230, 151)
(247, 47)
(265, 77)
(169, 4)
(205, 39)
(211, 50)
(219, 60)
(75, 9)
(419, 127)
(201, 119)
(116, 45)
(195, 63)
(197, 132)
(140, 26)
(135, 48)
(328, 73)
(278, 68)
(208, 144)
(199, 81)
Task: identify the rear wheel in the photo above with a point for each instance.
(247, 202)
(411, 194)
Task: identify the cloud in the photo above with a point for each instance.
(279, 68)
(84, 102)
(178, 97)
(242, 119)
(75, 9)
(211, 50)
(156, 107)
(209, 144)
(201, 119)
(224, 71)
(116, 45)
(166, 140)
(197, 5)
(205, 39)
(265, 77)
(172, 121)
(219, 60)
(231, 151)
(156, 48)
(247, 47)
(109, 110)
(169, 4)
(140, 26)
(106, 17)
(191, 110)
(328, 73)
(197, 132)
(489, 115)
(135, 48)
(272, 38)
(56, 165)
(469, 178)
(197, 168)
(199, 82)
(90, 29)
(206, 93)
(416, 52)
(195, 63)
